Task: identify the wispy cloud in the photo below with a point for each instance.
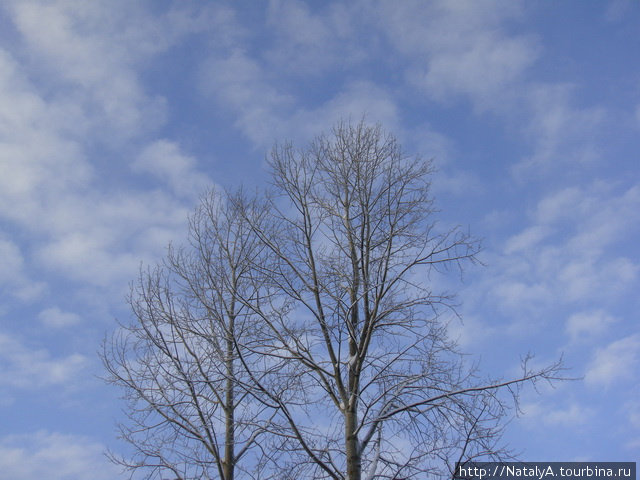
(616, 362)
(460, 49)
(95, 48)
(103, 106)
(566, 254)
(562, 134)
(54, 456)
(56, 318)
(164, 160)
(13, 275)
(72, 85)
(33, 368)
(238, 82)
(310, 43)
(573, 415)
(588, 325)
(632, 410)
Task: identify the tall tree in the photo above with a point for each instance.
(380, 390)
(190, 410)
(304, 335)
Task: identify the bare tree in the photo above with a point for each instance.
(304, 336)
(190, 410)
(375, 389)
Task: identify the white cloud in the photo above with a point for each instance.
(448, 49)
(71, 40)
(588, 325)
(305, 42)
(54, 456)
(460, 48)
(82, 89)
(481, 68)
(54, 317)
(610, 277)
(36, 160)
(632, 411)
(13, 275)
(544, 415)
(102, 239)
(456, 182)
(96, 47)
(569, 253)
(451, 50)
(569, 417)
(607, 218)
(616, 362)
(597, 215)
(561, 134)
(425, 139)
(559, 205)
(239, 83)
(11, 261)
(355, 100)
(521, 297)
(470, 332)
(526, 240)
(164, 160)
(74, 85)
(264, 113)
(310, 41)
(259, 89)
(24, 367)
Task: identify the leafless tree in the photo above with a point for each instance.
(304, 335)
(190, 409)
(375, 389)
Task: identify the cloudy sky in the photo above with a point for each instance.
(115, 115)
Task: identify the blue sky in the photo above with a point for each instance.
(115, 115)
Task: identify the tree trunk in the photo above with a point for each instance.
(229, 408)
(354, 460)
(352, 444)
